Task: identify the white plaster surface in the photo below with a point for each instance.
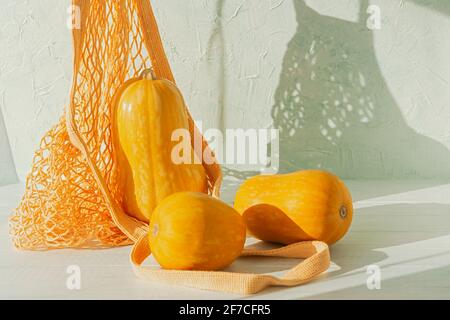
(257, 63)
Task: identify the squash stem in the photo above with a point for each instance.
(148, 74)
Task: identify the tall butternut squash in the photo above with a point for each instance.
(148, 111)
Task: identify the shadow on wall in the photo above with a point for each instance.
(7, 169)
(335, 111)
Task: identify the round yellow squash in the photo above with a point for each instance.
(301, 206)
(147, 112)
(193, 231)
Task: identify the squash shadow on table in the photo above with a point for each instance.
(368, 236)
(262, 265)
(334, 110)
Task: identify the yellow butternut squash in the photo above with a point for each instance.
(147, 113)
(193, 231)
(288, 208)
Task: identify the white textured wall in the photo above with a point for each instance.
(241, 64)
(35, 72)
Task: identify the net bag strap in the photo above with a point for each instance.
(315, 253)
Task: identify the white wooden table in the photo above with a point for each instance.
(400, 227)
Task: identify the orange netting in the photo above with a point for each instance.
(71, 197)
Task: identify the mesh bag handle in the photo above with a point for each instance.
(315, 253)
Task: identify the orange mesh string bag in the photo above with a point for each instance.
(72, 198)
